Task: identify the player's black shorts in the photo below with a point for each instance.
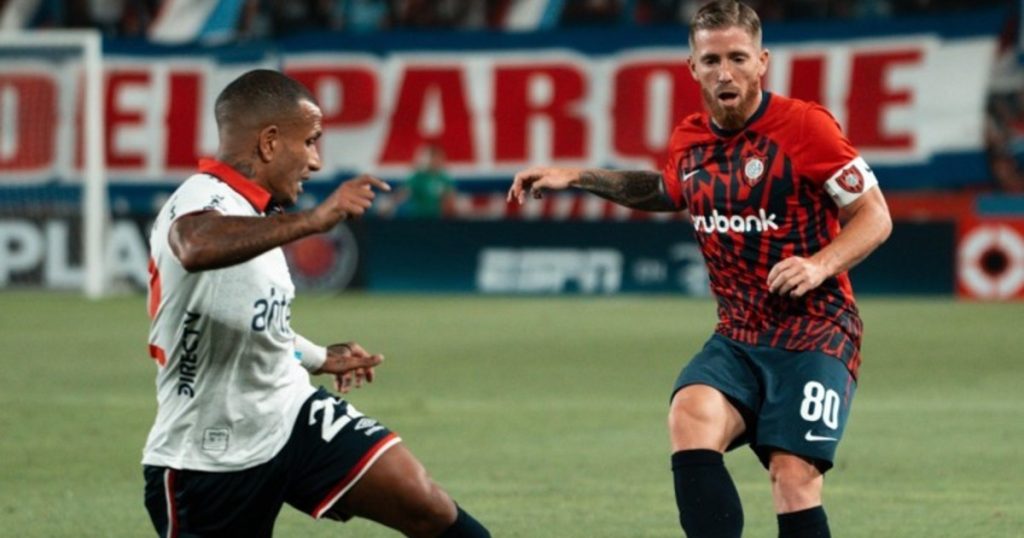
(331, 446)
(797, 401)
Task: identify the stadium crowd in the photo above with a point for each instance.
(278, 18)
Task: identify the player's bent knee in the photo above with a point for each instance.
(398, 492)
(796, 483)
(701, 417)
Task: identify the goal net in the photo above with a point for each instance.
(53, 195)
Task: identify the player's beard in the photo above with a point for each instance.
(731, 118)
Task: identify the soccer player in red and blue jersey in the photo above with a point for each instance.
(767, 181)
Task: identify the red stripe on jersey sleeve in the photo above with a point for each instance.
(157, 353)
(154, 288)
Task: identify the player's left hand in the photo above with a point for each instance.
(351, 365)
(534, 181)
(352, 379)
(795, 276)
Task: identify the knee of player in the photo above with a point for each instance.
(794, 476)
(431, 512)
(686, 411)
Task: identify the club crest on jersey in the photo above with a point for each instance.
(850, 180)
(753, 170)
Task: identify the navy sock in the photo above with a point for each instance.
(709, 506)
(465, 527)
(809, 523)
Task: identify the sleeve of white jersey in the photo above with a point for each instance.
(311, 356)
(201, 193)
(851, 182)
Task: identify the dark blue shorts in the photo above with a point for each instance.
(325, 456)
(796, 401)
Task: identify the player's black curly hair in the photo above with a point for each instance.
(259, 96)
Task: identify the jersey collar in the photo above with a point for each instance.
(255, 194)
(726, 133)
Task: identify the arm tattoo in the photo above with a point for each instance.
(211, 241)
(632, 188)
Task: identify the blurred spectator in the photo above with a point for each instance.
(438, 13)
(253, 22)
(914, 7)
(276, 18)
(294, 16)
(591, 13)
(1004, 114)
(429, 193)
(1004, 137)
(121, 18)
(362, 16)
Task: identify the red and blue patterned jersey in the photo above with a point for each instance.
(757, 196)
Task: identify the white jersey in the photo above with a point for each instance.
(228, 386)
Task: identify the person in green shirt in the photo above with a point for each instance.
(429, 192)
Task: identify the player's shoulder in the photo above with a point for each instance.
(203, 182)
(808, 115)
(691, 130)
(205, 192)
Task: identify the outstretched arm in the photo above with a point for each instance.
(209, 240)
(638, 189)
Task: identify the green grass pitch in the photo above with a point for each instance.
(544, 417)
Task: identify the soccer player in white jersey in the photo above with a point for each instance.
(240, 430)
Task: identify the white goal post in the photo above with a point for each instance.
(62, 50)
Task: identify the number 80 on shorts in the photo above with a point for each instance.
(820, 404)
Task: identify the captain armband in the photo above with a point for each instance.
(309, 355)
(850, 182)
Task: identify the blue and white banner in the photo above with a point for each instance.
(910, 95)
(188, 21)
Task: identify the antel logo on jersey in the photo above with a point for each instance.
(716, 222)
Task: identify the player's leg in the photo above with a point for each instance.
(702, 418)
(703, 424)
(796, 490)
(806, 407)
(344, 464)
(398, 492)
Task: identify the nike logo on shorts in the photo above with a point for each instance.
(814, 438)
(688, 175)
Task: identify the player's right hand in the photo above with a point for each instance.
(351, 199)
(538, 179)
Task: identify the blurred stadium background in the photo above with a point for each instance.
(531, 348)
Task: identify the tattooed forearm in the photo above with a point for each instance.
(210, 241)
(632, 188)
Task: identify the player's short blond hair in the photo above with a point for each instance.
(719, 14)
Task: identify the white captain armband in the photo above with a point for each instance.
(850, 182)
(309, 355)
